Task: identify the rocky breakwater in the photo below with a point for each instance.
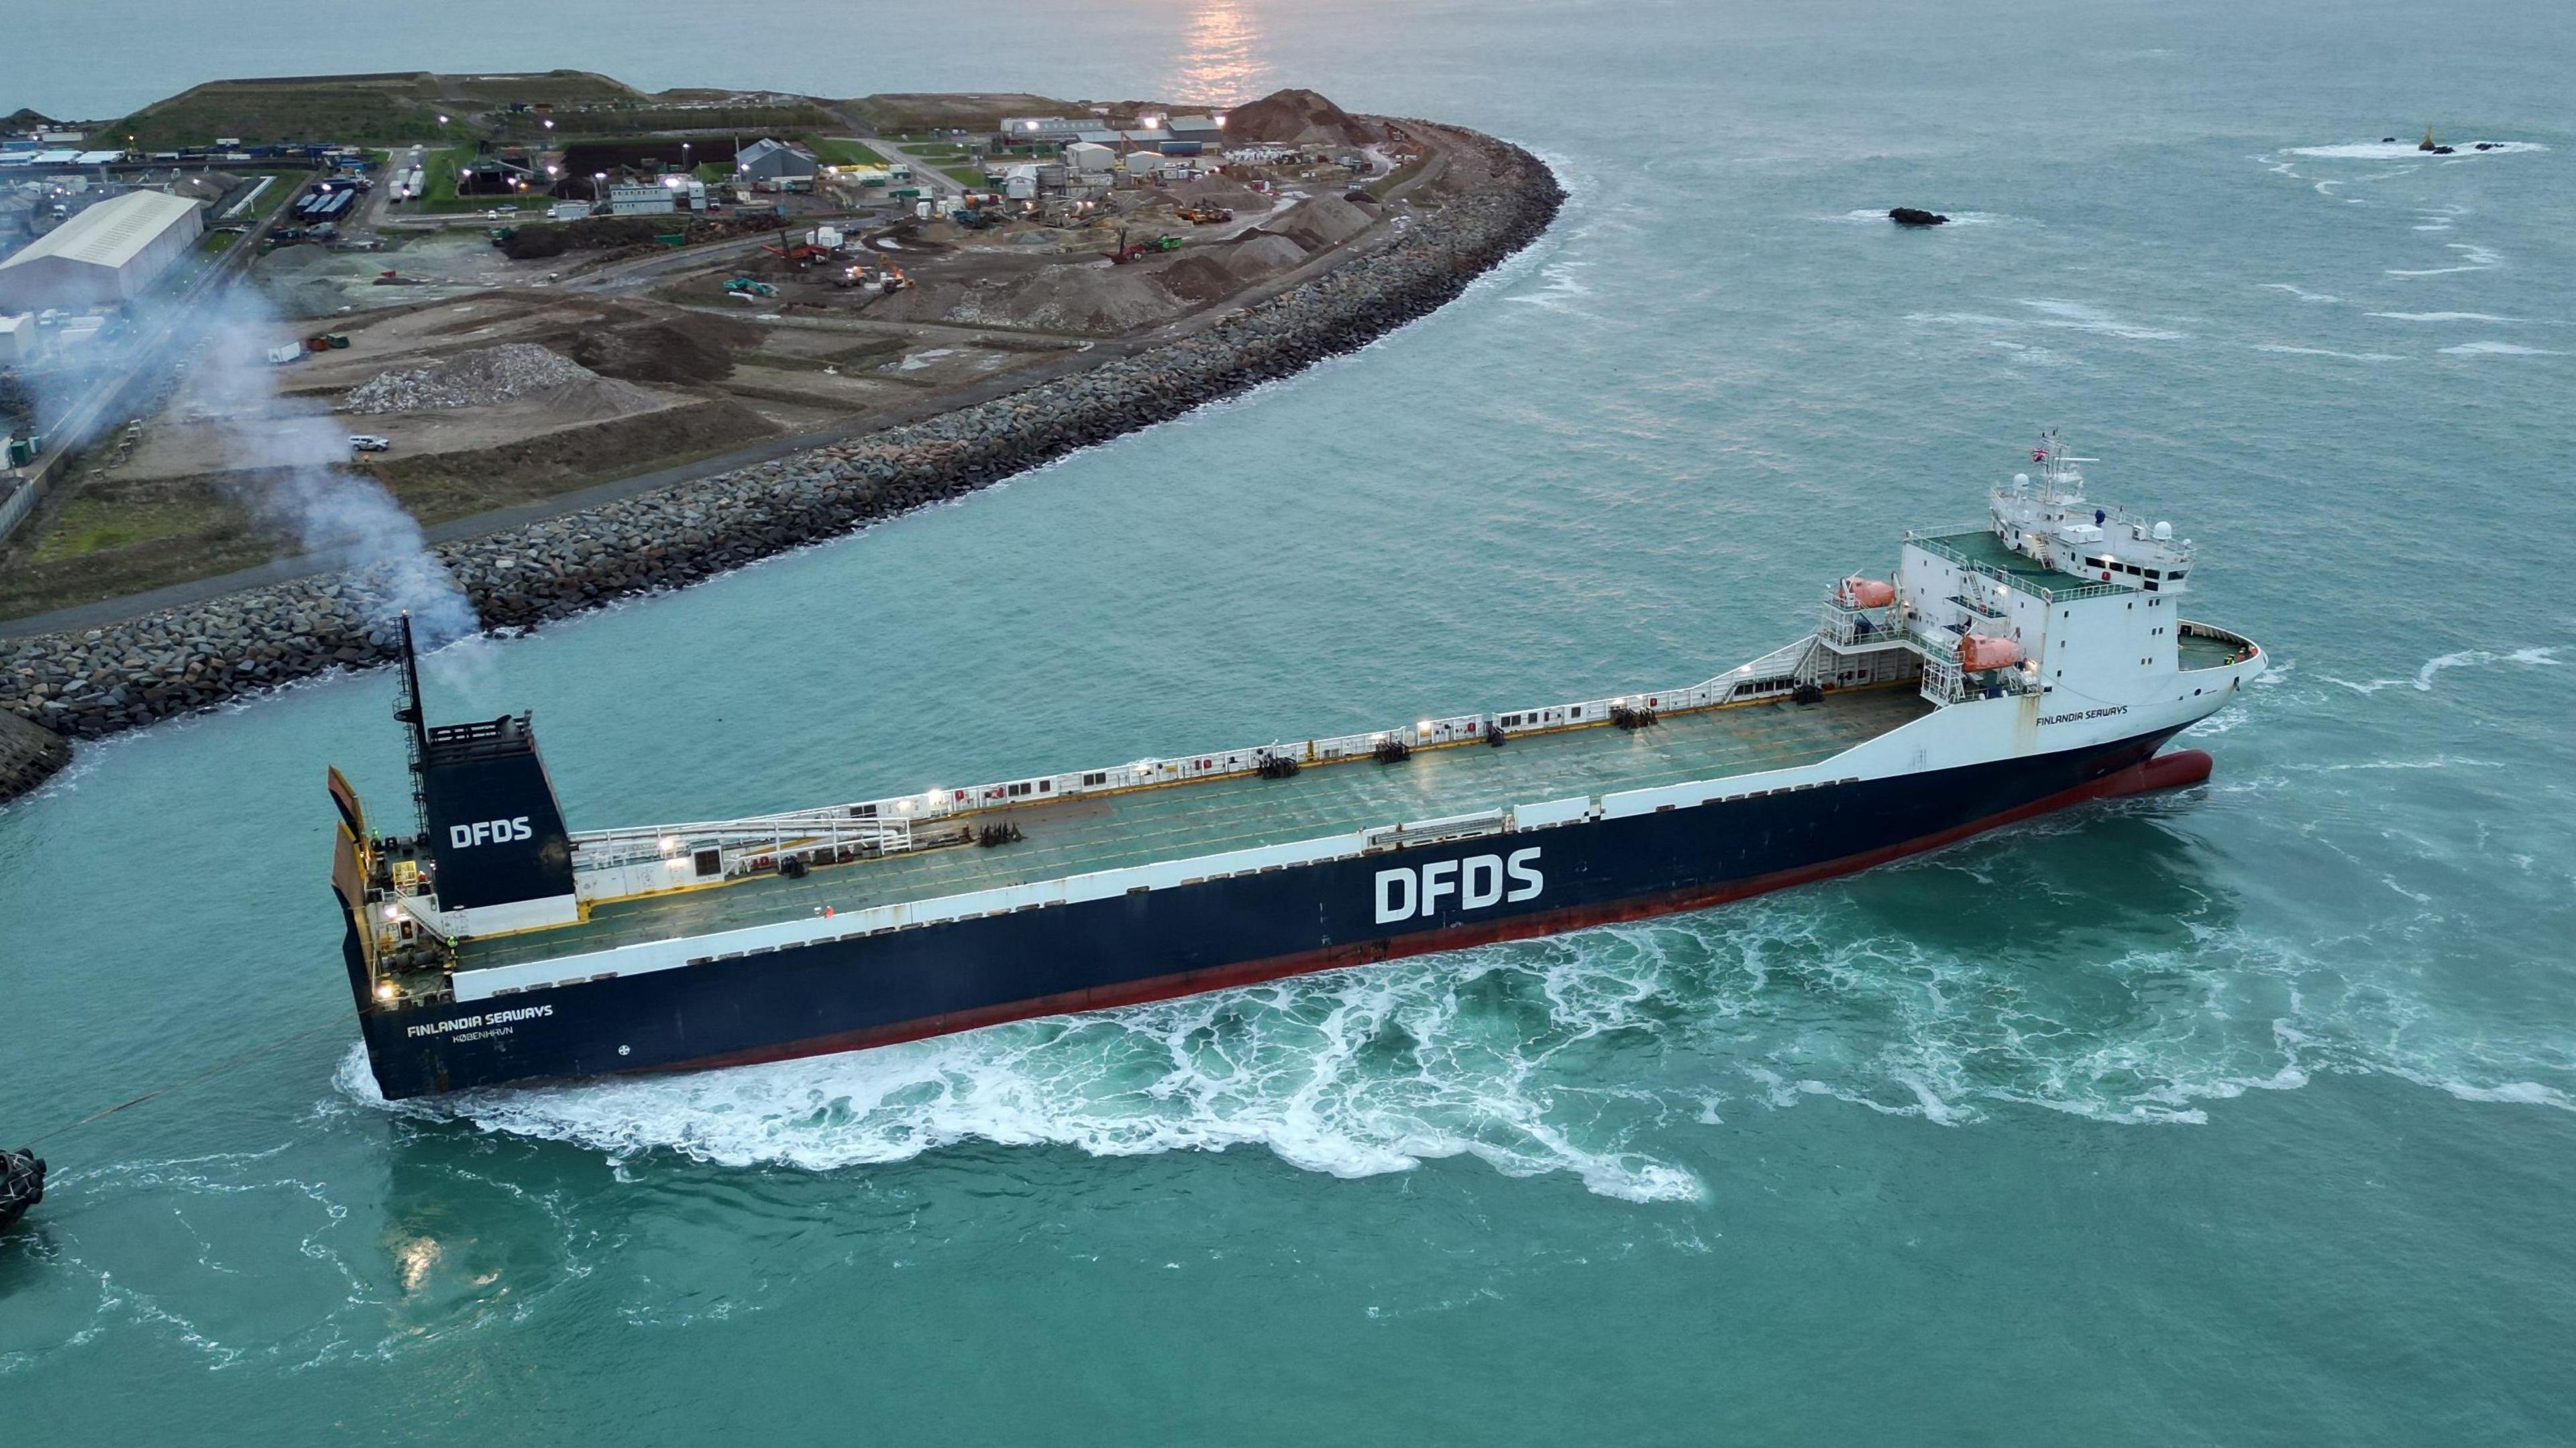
(1496, 200)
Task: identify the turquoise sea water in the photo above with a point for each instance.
(2245, 1115)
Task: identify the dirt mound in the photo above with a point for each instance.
(1103, 299)
(1318, 222)
(594, 397)
(1197, 279)
(1259, 255)
(1296, 118)
(468, 379)
(699, 349)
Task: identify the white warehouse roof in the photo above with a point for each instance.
(110, 234)
(106, 256)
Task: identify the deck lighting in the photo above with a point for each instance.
(669, 844)
(389, 912)
(384, 990)
(1423, 728)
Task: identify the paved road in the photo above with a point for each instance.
(924, 173)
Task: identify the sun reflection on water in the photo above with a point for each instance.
(1223, 55)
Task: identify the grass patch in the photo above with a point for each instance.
(841, 151)
(89, 525)
(917, 114)
(439, 173)
(355, 109)
(966, 176)
(1397, 177)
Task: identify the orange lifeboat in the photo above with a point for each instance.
(1978, 653)
(1868, 593)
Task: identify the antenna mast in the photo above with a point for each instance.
(407, 710)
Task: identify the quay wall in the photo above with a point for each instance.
(89, 683)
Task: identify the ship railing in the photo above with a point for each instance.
(2239, 647)
(1946, 682)
(800, 831)
(886, 823)
(1932, 542)
(1846, 626)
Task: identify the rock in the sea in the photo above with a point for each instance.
(1912, 216)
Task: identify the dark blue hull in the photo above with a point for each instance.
(904, 984)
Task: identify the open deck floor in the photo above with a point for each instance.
(1182, 821)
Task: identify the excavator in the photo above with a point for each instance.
(1128, 251)
(1204, 215)
(884, 282)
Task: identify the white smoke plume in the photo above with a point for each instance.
(288, 457)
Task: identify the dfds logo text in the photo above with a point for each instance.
(1477, 881)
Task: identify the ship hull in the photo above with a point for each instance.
(847, 994)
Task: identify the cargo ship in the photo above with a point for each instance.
(2028, 663)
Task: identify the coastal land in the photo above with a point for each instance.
(564, 412)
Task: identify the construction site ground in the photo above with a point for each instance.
(672, 376)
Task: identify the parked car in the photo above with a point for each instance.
(369, 442)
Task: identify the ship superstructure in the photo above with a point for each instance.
(2001, 671)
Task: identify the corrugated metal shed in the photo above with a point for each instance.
(103, 256)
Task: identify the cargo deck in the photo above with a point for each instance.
(1075, 836)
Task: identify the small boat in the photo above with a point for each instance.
(22, 1184)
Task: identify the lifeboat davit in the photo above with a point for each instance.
(1868, 593)
(1978, 653)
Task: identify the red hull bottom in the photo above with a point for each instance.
(2175, 770)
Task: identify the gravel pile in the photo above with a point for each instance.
(468, 379)
(98, 681)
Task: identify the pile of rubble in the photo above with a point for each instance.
(468, 379)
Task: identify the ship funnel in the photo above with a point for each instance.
(488, 815)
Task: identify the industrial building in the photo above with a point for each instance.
(643, 199)
(768, 160)
(106, 256)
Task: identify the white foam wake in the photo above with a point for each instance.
(1351, 1073)
(2285, 348)
(2472, 258)
(2412, 150)
(2498, 349)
